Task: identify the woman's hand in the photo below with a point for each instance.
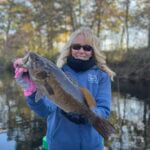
(78, 119)
(23, 79)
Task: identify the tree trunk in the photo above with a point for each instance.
(99, 6)
(145, 124)
(148, 38)
(99, 25)
(4, 52)
(126, 24)
(72, 17)
(80, 12)
(122, 38)
(49, 39)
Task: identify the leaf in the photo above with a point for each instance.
(27, 27)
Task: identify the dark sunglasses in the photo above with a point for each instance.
(85, 47)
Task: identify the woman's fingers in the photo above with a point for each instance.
(18, 62)
(19, 71)
(18, 67)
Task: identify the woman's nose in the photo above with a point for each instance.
(81, 50)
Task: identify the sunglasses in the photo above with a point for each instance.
(86, 48)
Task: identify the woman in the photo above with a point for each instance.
(81, 61)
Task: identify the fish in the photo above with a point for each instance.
(63, 92)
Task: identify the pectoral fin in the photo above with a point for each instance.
(39, 92)
(43, 89)
(88, 98)
(38, 95)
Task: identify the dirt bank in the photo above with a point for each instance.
(132, 65)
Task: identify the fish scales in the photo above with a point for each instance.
(65, 99)
(67, 85)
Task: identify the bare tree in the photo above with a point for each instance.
(127, 3)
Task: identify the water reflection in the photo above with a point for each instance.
(131, 126)
(19, 123)
(5, 144)
(21, 129)
(133, 114)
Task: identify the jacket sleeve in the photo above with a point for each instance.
(103, 97)
(43, 107)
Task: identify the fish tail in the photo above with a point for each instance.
(103, 126)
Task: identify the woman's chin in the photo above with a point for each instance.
(81, 58)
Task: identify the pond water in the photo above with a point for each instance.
(22, 129)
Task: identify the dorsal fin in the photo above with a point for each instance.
(88, 98)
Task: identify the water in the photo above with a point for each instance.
(22, 129)
(131, 108)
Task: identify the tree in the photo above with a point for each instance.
(104, 15)
(10, 13)
(142, 17)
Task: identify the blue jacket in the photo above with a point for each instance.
(63, 134)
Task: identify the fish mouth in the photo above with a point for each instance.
(31, 61)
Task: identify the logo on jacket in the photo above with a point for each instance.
(92, 78)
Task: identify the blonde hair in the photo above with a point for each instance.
(92, 40)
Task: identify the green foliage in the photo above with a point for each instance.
(39, 25)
